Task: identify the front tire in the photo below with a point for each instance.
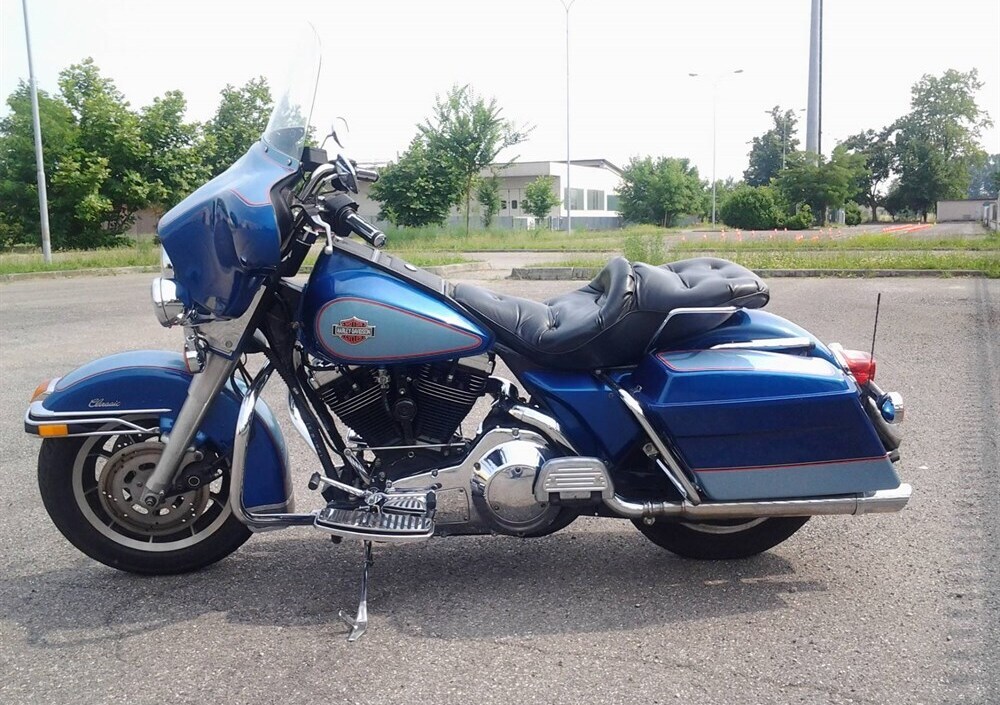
(715, 540)
(90, 488)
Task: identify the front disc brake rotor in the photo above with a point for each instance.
(122, 480)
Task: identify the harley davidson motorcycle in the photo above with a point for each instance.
(665, 395)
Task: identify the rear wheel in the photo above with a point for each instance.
(90, 487)
(713, 540)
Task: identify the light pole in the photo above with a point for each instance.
(43, 200)
(715, 95)
(568, 5)
(784, 133)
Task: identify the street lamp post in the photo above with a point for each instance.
(567, 5)
(784, 134)
(715, 95)
(43, 202)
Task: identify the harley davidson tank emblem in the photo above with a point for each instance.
(353, 330)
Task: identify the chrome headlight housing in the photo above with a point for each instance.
(168, 302)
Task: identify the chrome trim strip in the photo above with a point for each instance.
(37, 411)
(244, 425)
(37, 415)
(676, 473)
(542, 422)
(768, 344)
(882, 501)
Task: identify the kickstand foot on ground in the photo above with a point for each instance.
(359, 624)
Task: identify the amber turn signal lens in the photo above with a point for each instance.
(53, 430)
(40, 390)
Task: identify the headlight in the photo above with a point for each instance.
(167, 303)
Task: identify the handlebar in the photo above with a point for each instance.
(340, 211)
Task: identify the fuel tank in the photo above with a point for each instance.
(359, 311)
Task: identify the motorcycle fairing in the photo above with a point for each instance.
(225, 239)
(155, 379)
(354, 312)
(753, 424)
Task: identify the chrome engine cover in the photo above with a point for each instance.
(493, 489)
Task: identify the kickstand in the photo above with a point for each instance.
(359, 624)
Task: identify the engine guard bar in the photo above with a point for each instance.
(882, 501)
(244, 426)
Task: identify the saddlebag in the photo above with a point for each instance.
(753, 424)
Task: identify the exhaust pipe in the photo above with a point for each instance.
(882, 501)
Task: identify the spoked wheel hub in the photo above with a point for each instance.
(121, 483)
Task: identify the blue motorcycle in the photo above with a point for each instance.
(661, 395)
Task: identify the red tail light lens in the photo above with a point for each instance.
(861, 365)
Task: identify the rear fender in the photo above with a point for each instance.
(116, 393)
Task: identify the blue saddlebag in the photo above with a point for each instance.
(763, 425)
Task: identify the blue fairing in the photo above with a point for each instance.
(355, 312)
(224, 239)
(153, 379)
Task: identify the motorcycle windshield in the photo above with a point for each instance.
(289, 124)
(225, 238)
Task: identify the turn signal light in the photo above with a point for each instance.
(53, 430)
(41, 390)
(861, 365)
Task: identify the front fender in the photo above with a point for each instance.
(123, 388)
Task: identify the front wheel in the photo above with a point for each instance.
(90, 487)
(714, 540)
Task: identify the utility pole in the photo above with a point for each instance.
(814, 117)
(569, 203)
(43, 199)
(715, 100)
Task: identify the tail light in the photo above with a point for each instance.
(860, 364)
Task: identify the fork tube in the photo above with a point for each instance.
(202, 392)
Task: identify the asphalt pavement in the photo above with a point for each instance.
(880, 609)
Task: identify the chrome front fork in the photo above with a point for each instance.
(205, 386)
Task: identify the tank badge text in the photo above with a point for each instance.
(353, 330)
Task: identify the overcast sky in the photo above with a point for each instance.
(385, 60)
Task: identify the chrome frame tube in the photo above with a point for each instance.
(205, 386)
(244, 427)
(882, 501)
(676, 473)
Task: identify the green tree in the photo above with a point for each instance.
(657, 191)
(540, 198)
(109, 131)
(769, 151)
(418, 189)
(750, 208)
(819, 183)
(488, 195)
(239, 121)
(878, 152)
(19, 217)
(467, 132)
(175, 166)
(937, 142)
(985, 178)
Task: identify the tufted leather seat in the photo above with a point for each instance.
(611, 321)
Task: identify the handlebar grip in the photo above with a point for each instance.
(357, 224)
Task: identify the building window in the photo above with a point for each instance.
(503, 205)
(575, 198)
(614, 202)
(595, 200)
(513, 205)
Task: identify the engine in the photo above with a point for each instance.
(405, 405)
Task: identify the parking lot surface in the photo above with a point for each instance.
(881, 609)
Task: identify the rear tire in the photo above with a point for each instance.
(715, 540)
(89, 487)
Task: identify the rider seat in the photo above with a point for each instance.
(612, 321)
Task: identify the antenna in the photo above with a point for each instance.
(878, 304)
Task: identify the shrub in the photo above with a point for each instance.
(852, 213)
(750, 208)
(802, 220)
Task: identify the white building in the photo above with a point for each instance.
(594, 185)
